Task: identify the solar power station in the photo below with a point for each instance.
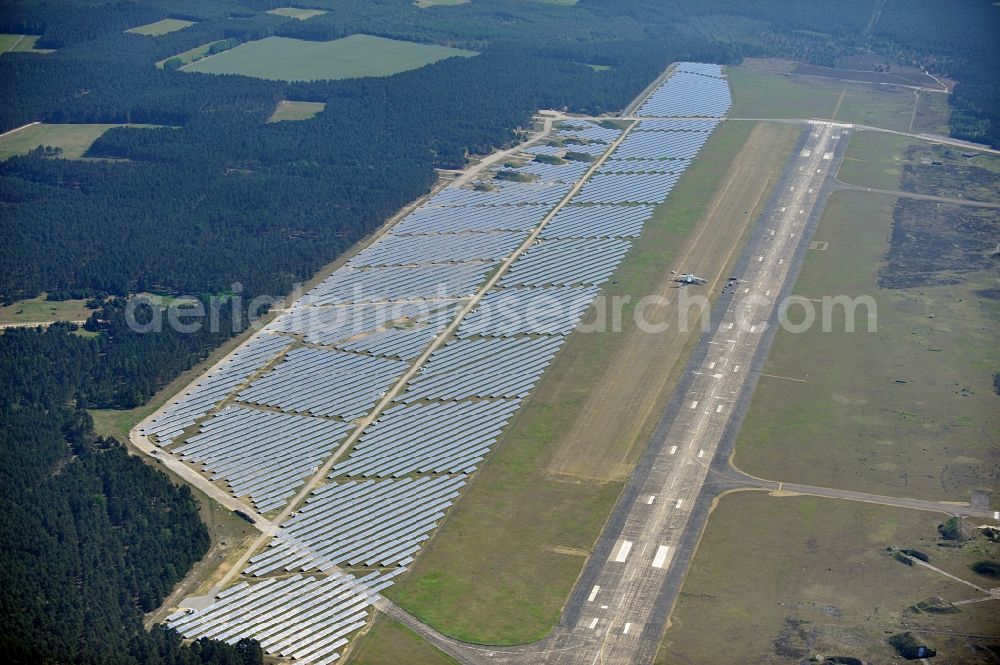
(267, 419)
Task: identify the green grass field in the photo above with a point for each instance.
(20, 44)
(501, 566)
(74, 140)
(875, 159)
(191, 55)
(160, 27)
(295, 111)
(280, 58)
(389, 642)
(780, 579)
(907, 411)
(39, 310)
(761, 89)
(295, 12)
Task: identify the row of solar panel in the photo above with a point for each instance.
(299, 617)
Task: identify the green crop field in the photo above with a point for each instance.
(280, 58)
(189, 56)
(295, 12)
(295, 111)
(20, 44)
(780, 579)
(161, 27)
(73, 140)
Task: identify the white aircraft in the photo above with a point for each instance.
(688, 278)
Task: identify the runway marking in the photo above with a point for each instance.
(783, 209)
(768, 292)
(736, 368)
(694, 404)
(793, 188)
(623, 551)
(729, 326)
(701, 453)
(651, 499)
(673, 449)
(806, 152)
(753, 329)
(996, 514)
(679, 502)
(780, 261)
(593, 624)
(827, 155)
(718, 409)
(625, 629)
(593, 594)
(711, 365)
(786, 378)
(661, 556)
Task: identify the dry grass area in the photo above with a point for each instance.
(623, 405)
(40, 310)
(779, 580)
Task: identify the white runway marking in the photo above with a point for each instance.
(718, 409)
(661, 556)
(736, 368)
(701, 453)
(593, 624)
(651, 499)
(711, 365)
(623, 551)
(679, 502)
(694, 404)
(625, 629)
(673, 449)
(593, 594)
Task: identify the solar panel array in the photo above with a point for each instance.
(369, 523)
(503, 194)
(445, 248)
(483, 367)
(567, 262)
(438, 437)
(627, 188)
(406, 342)
(262, 454)
(332, 325)
(593, 221)
(434, 219)
(660, 145)
(350, 285)
(324, 383)
(383, 500)
(215, 386)
(690, 93)
(300, 617)
(539, 311)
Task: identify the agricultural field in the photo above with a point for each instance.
(191, 55)
(767, 89)
(295, 12)
(537, 527)
(280, 58)
(287, 110)
(20, 44)
(389, 642)
(73, 140)
(161, 27)
(809, 576)
(40, 310)
(908, 410)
